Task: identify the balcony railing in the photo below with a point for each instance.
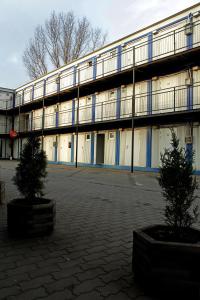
(176, 99)
(136, 53)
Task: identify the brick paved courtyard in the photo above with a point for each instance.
(88, 257)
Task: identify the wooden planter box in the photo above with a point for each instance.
(27, 219)
(167, 268)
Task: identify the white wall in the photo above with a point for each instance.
(139, 147)
(161, 138)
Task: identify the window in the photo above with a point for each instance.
(111, 135)
(89, 100)
(90, 63)
(111, 94)
(113, 53)
(87, 137)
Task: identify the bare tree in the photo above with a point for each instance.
(52, 32)
(98, 38)
(34, 57)
(63, 38)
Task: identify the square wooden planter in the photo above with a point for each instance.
(25, 219)
(167, 268)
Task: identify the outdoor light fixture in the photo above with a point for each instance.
(155, 31)
(196, 14)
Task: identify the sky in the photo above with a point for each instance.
(18, 19)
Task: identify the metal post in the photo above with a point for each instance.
(174, 36)
(133, 113)
(19, 144)
(174, 99)
(43, 116)
(77, 118)
(6, 126)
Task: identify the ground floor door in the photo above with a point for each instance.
(100, 149)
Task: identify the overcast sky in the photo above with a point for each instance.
(19, 18)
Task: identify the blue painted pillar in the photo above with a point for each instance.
(93, 107)
(189, 36)
(149, 97)
(119, 58)
(57, 118)
(118, 103)
(94, 63)
(92, 148)
(117, 148)
(149, 147)
(73, 111)
(72, 148)
(150, 46)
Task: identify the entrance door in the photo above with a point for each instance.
(100, 149)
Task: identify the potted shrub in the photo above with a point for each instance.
(166, 258)
(33, 214)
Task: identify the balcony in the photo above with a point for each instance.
(155, 53)
(163, 104)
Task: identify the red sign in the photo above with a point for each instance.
(13, 134)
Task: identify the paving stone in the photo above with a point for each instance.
(32, 294)
(119, 296)
(9, 291)
(87, 286)
(64, 295)
(67, 272)
(90, 274)
(61, 284)
(12, 280)
(89, 296)
(36, 282)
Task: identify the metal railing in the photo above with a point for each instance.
(166, 101)
(161, 45)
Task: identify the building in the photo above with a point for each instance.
(114, 107)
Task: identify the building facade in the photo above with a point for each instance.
(115, 106)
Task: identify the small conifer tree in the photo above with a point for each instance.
(178, 185)
(31, 170)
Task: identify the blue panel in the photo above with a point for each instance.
(57, 119)
(118, 103)
(73, 112)
(94, 63)
(149, 147)
(44, 88)
(189, 97)
(149, 97)
(92, 148)
(189, 41)
(117, 148)
(72, 148)
(74, 74)
(190, 36)
(150, 46)
(119, 58)
(93, 107)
